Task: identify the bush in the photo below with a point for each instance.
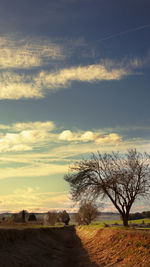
(64, 217)
(88, 211)
(20, 217)
(50, 218)
(106, 225)
(32, 217)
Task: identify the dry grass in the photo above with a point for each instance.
(111, 247)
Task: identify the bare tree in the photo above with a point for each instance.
(50, 218)
(88, 211)
(121, 178)
(64, 217)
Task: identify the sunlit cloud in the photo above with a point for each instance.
(19, 55)
(25, 136)
(27, 53)
(37, 125)
(111, 138)
(90, 73)
(16, 86)
(29, 136)
(38, 149)
(31, 199)
(37, 170)
(79, 150)
(87, 136)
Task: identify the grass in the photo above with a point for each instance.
(21, 226)
(99, 224)
(95, 224)
(140, 221)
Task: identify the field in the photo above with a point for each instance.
(24, 245)
(141, 223)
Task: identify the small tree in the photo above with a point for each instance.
(21, 217)
(77, 218)
(88, 211)
(64, 217)
(32, 217)
(50, 218)
(121, 178)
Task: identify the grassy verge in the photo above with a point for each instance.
(28, 225)
(113, 224)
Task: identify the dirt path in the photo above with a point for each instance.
(56, 247)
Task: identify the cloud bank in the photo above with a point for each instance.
(30, 135)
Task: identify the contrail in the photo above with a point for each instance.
(124, 32)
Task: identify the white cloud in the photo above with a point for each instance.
(90, 73)
(16, 86)
(37, 125)
(25, 135)
(87, 136)
(66, 135)
(43, 151)
(32, 135)
(27, 53)
(110, 138)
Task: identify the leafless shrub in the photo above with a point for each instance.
(88, 211)
(50, 218)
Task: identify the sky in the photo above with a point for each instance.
(74, 79)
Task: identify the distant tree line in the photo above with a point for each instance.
(139, 215)
(51, 218)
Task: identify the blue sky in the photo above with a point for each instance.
(74, 79)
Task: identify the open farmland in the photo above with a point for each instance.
(74, 246)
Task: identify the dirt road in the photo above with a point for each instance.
(56, 247)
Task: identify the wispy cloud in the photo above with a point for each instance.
(89, 73)
(19, 55)
(31, 199)
(37, 149)
(33, 170)
(28, 53)
(37, 125)
(16, 86)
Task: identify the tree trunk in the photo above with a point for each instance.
(125, 218)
